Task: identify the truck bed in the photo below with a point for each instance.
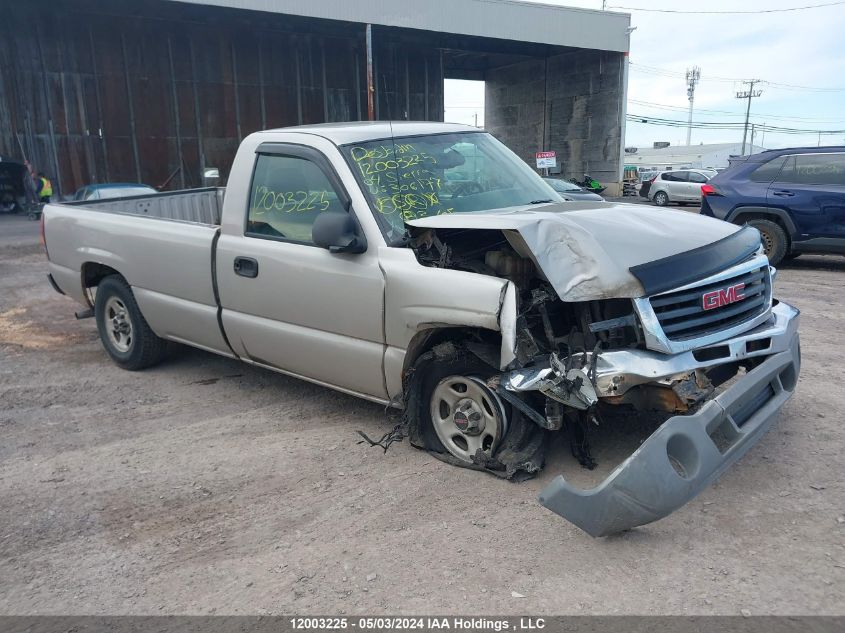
(197, 206)
(162, 244)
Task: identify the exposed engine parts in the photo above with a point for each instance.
(558, 344)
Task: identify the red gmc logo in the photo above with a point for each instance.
(722, 297)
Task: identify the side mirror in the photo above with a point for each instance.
(338, 232)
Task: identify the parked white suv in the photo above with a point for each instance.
(683, 185)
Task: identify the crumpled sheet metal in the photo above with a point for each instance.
(585, 251)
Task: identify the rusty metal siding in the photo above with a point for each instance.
(109, 91)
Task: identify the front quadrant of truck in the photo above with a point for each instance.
(425, 266)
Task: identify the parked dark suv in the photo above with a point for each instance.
(794, 197)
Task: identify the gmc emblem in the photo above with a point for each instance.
(722, 297)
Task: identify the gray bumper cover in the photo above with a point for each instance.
(647, 487)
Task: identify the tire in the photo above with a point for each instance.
(123, 330)
(661, 199)
(447, 436)
(775, 241)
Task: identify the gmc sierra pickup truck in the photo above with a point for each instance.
(425, 266)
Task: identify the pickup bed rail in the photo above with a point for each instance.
(198, 206)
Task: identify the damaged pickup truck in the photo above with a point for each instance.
(425, 266)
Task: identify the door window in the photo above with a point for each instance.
(697, 178)
(675, 176)
(767, 172)
(819, 169)
(287, 195)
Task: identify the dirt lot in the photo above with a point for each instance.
(205, 486)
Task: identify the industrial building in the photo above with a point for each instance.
(158, 91)
(704, 156)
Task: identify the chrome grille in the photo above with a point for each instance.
(682, 315)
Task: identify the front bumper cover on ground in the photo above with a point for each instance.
(682, 457)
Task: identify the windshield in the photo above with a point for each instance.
(416, 177)
(562, 185)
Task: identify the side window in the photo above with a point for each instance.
(767, 172)
(287, 194)
(694, 176)
(819, 169)
(787, 173)
(670, 176)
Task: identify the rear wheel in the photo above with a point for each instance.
(123, 330)
(661, 199)
(775, 242)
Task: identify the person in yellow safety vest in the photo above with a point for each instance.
(44, 188)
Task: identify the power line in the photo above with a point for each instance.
(662, 72)
(726, 125)
(784, 10)
(775, 84)
(707, 112)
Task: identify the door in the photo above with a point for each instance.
(811, 187)
(681, 186)
(696, 179)
(675, 184)
(288, 303)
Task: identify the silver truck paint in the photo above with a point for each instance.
(358, 322)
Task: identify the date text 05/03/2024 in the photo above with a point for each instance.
(387, 623)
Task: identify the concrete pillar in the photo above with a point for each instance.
(570, 103)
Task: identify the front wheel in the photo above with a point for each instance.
(458, 413)
(661, 199)
(124, 332)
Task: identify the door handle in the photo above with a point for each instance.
(783, 194)
(246, 267)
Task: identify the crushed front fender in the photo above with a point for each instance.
(682, 457)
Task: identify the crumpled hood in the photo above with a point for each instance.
(585, 250)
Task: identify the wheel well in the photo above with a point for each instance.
(93, 273)
(743, 217)
(429, 337)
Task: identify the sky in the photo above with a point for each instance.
(800, 48)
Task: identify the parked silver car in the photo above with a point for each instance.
(682, 186)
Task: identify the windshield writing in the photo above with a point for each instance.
(416, 177)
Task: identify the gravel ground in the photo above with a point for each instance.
(206, 486)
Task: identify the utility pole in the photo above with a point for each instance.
(748, 94)
(693, 75)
